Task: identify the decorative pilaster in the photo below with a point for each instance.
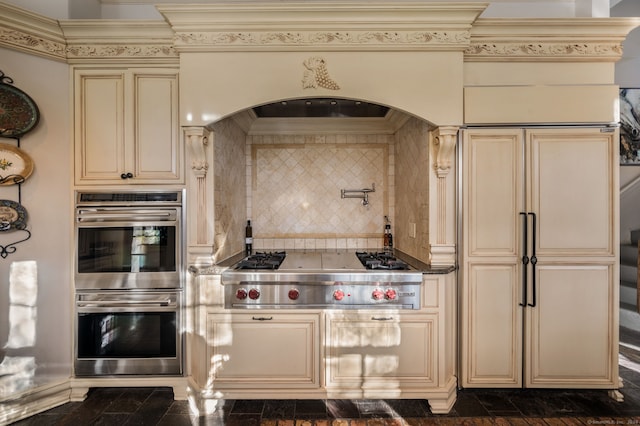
(442, 203)
(199, 185)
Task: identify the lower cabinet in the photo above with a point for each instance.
(263, 349)
(372, 352)
(323, 353)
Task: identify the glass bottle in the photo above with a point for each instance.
(248, 238)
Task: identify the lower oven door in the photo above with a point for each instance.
(128, 333)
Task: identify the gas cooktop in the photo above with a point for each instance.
(321, 260)
(321, 266)
(322, 279)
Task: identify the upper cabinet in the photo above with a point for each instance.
(127, 126)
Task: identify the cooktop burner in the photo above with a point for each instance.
(381, 260)
(263, 260)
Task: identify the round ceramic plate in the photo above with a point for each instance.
(12, 215)
(18, 112)
(15, 165)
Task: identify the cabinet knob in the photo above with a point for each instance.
(126, 175)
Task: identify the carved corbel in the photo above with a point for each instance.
(442, 247)
(197, 139)
(445, 147)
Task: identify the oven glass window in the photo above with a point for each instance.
(127, 249)
(127, 335)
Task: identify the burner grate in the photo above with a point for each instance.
(263, 260)
(381, 260)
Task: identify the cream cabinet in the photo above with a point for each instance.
(373, 354)
(264, 349)
(322, 353)
(539, 247)
(126, 126)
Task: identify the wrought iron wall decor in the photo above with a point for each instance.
(19, 115)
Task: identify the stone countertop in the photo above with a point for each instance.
(219, 268)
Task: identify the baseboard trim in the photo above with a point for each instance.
(33, 401)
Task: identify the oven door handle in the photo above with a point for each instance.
(92, 216)
(124, 304)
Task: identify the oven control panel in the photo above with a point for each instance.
(322, 295)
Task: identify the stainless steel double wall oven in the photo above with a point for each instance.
(129, 283)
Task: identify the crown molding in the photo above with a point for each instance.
(316, 26)
(342, 26)
(552, 39)
(31, 33)
(119, 40)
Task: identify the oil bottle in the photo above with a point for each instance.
(248, 238)
(388, 236)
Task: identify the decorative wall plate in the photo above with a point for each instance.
(15, 165)
(18, 112)
(12, 215)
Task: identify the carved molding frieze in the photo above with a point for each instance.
(121, 51)
(343, 39)
(552, 51)
(559, 39)
(32, 43)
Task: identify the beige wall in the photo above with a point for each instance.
(47, 199)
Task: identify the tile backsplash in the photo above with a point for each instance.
(294, 185)
(289, 186)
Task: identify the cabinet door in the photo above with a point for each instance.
(571, 332)
(126, 123)
(572, 342)
(158, 154)
(99, 125)
(491, 317)
(572, 189)
(369, 354)
(264, 349)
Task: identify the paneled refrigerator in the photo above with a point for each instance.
(538, 258)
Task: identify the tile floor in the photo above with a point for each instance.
(155, 406)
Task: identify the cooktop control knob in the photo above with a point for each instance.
(377, 294)
(254, 293)
(294, 293)
(390, 294)
(241, 294)
(338, 295)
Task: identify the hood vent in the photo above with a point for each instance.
(321, 107)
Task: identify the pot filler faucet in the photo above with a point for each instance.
(358, 193)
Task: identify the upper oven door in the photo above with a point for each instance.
(127, 248)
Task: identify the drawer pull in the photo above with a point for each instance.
(262, 318)
(381, 318)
